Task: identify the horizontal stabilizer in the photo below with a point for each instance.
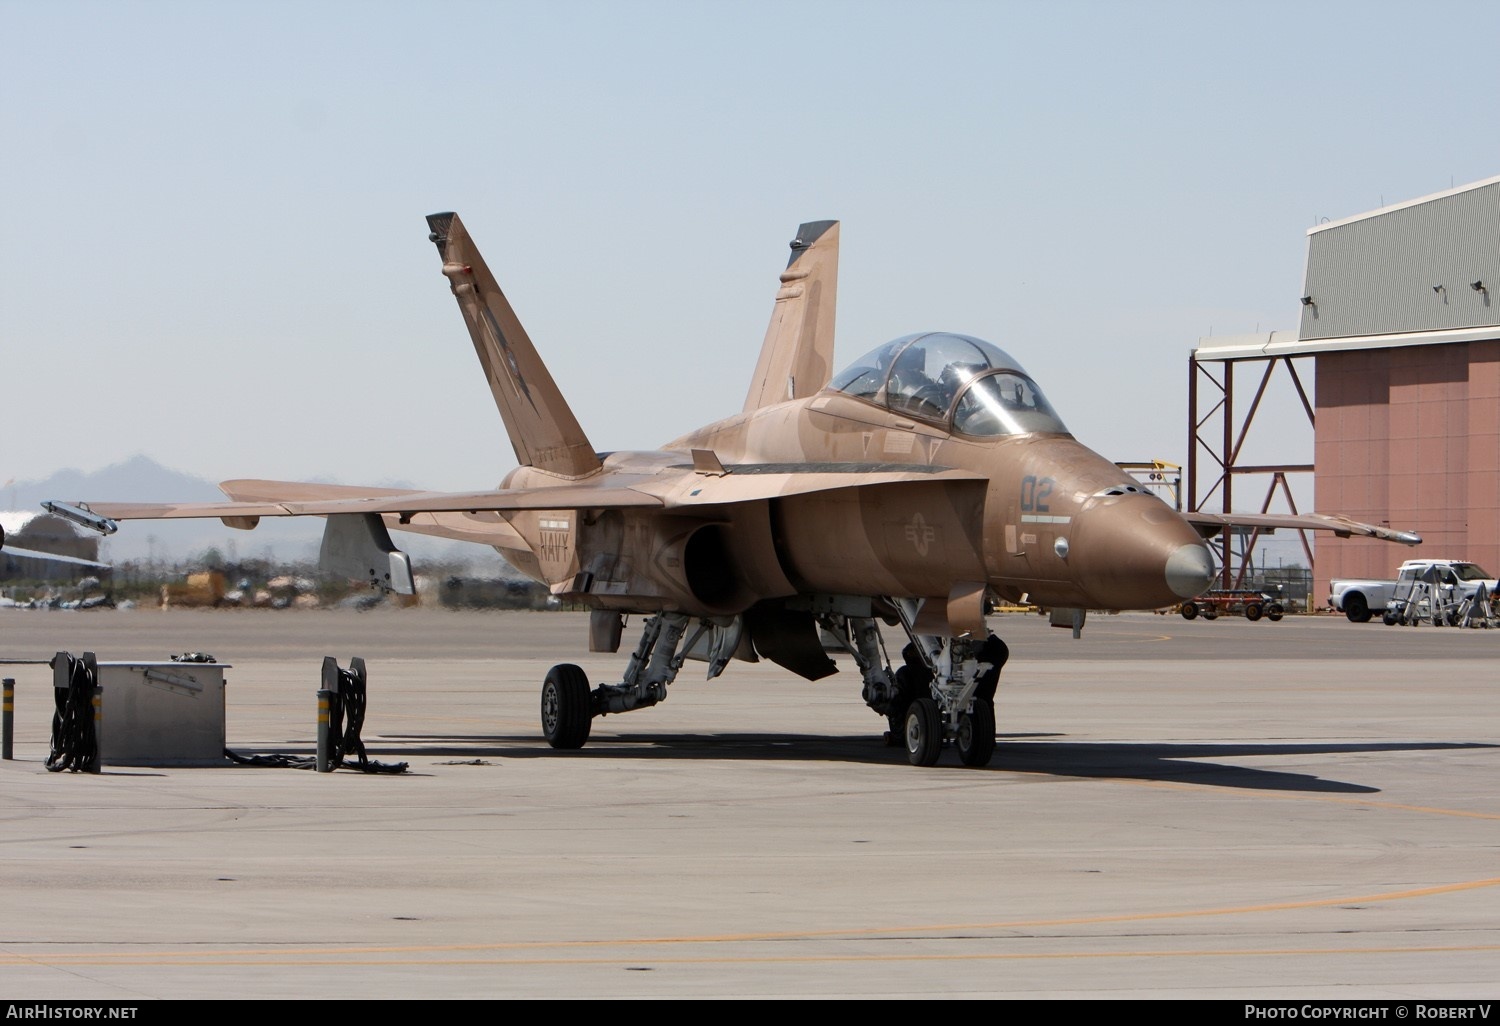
(251, 490)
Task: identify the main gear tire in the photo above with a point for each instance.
(567, 708)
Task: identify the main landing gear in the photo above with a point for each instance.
(569, 706)
(943, 691)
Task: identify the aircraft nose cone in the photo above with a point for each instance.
(1189, 570)
(1135, 552)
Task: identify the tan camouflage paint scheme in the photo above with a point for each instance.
(819, 494)
(796, 358)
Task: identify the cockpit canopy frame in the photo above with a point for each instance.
(961, 382)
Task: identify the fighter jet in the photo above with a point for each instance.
(919, 488)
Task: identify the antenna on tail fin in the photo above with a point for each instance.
(542, 428)
(796, 359)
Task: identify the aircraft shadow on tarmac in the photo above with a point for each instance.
(1190, 763)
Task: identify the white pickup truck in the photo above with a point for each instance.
(1358, 600)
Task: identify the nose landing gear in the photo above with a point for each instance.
(924, 732)
(975, 739)
(943, 691)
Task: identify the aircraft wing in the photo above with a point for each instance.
(708, 485)
(482, 530)
(399, 503)
(1210, 524)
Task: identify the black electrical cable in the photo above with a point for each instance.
(346, 718)
(281, 761)
(308, 762)
(75, 746)
(344, 728)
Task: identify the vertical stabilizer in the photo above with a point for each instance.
(796, 358)
(542, 427)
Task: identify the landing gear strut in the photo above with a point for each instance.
(569, 706)
(943, 691)
(962, 675)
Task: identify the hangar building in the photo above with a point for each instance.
(1401, 319)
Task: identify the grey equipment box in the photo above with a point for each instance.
(161, 714)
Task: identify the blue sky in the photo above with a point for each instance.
(214, 249)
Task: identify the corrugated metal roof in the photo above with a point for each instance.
(1407, 203)
(1431, 265)
(1403, 275)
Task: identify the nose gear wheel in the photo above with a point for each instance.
(924, 732)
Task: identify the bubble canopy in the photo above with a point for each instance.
(945, 378)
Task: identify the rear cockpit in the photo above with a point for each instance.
(960, 382)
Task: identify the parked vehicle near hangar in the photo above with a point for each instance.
(1359, 600)
(1445, 594)
(1246, 602)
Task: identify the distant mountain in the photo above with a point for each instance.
(138, 479)
(142, 479)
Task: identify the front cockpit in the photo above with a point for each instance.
(962, 383)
